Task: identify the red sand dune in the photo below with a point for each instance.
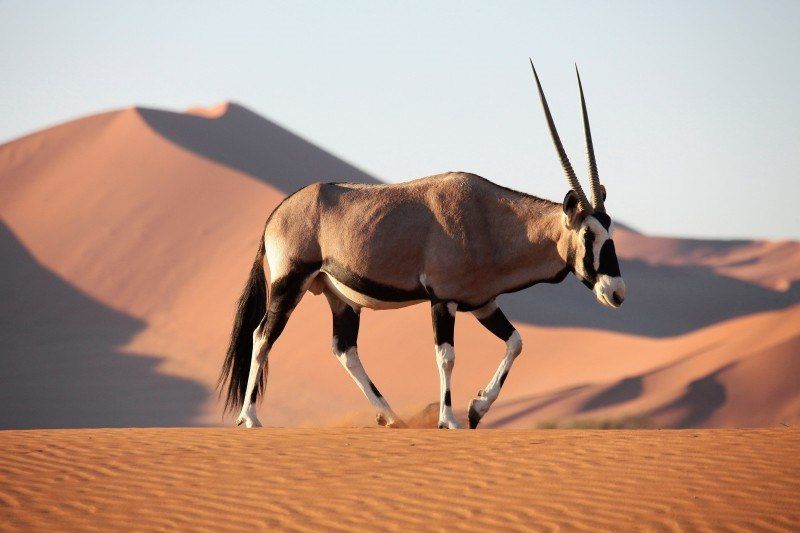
(127, 237)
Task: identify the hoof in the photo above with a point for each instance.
(248, 418)
(247, 422)
(450, 424)
(382, 421)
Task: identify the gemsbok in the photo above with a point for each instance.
(455, 240)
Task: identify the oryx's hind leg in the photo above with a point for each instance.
(284, 295)
(495, 321)
(345, 335)
(444, 321)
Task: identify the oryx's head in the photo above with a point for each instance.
(590, 254)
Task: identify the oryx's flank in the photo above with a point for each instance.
(455, 240)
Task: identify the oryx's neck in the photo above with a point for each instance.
(549, 240)
(536, 249)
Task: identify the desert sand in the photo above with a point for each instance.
(335, 479)
(125, 239)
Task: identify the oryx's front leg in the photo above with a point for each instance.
(345, 334)
(444, 320)
(495, 321)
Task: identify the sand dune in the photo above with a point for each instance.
(245, 141)
(139, 225)
(421, 480)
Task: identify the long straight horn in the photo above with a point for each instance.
(594, 178)
(562, 155)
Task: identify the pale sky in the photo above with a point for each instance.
(694, 105)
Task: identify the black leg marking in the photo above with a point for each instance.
(498, 324)
(447, 400)
(375, 390)
(443, 324)
(284, 294)
(503, 378)
(474, 418)
(345, 328)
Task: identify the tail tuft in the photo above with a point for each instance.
(250, 310)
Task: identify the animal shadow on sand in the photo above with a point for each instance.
(698, 402)
(60, 363)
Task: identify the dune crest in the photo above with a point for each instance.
(211, 112)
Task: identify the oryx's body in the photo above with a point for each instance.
(435, 238)
(456, 240)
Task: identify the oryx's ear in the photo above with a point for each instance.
(603, 192)
(572, 209)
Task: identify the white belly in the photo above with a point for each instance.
(356, 299)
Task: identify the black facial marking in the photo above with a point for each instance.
(603, 219)
(608, 259)
(443, 324)
(503, 378)
(498, 324)
(345, 328)
(375, 390)
(588, 259)
(447, 401)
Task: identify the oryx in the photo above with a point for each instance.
(455, 240)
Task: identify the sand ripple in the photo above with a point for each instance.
(343, 479)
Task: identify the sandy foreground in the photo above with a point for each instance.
(383, 479)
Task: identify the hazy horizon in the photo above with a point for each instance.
(693, 106)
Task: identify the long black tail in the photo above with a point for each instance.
(250, 310)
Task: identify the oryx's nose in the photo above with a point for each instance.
(617, 299)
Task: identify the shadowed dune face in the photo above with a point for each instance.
(60, 361)
(662, 301)
(250, 143)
